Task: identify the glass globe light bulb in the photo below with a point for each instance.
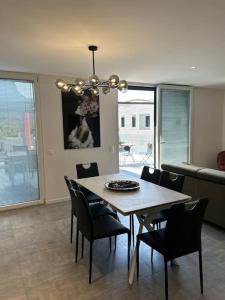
(66, 88)
(95, 91)
(113, 81)
(80, 93)
(76, 88)
(122, 86)
(80, 82)
(94, 80)
(60, 83)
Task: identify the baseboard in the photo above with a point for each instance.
(56, 200)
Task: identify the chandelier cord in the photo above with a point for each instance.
(93, 61)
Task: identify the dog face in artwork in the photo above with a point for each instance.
(81, 136)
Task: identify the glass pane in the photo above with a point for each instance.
(136, 130)
(18, 155)
(174, 126)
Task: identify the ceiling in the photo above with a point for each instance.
(142, 41)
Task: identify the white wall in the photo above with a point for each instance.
(208, 106)
(223, 130)
(59, 162)
(208, 116)
(208, 134)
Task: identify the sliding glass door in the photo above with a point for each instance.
(174, 103)
(18, 144)
(136, 123)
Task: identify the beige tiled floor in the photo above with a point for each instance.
(37, 263)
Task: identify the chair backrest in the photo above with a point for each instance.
(68, 183)
(150, 177)
(87, 170)
(126, 148)
(74, 185)
(175, 184)
(70, 189)
(84, 217)
(149, 148)
(183, 229)
(221, 160)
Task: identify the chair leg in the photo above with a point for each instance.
(90, 261)
(166, 279)
(110, 244)
(77, 244)
(137, 258)
(82, 251)
(152, 248)
(132, 227)
(71, 228)
(128, 251)
(200, 270)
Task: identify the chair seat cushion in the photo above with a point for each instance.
(154, 239)
(107, 226)
(99, 210)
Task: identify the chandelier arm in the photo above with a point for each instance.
(88, 85)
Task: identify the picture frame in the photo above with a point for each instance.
(81, 120)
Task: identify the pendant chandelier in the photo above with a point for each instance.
(93, 83)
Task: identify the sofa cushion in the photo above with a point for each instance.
(184, 169)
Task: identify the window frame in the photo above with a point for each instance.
(40, 161)
(160, 87)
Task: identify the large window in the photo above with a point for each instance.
(174, 105)
(18, 149)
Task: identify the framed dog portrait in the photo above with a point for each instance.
(81, 120)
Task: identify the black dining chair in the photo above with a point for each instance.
(94, 229)
(175, 184)
(150, 177)
(181, 236)
(168, 181)
(97, 209)
(86, 171)
(68, 184)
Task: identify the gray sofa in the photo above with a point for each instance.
(203, 182)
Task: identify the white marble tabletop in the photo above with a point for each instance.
(148, 197)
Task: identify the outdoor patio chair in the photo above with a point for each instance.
(148, 155)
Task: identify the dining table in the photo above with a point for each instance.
(147, 200)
